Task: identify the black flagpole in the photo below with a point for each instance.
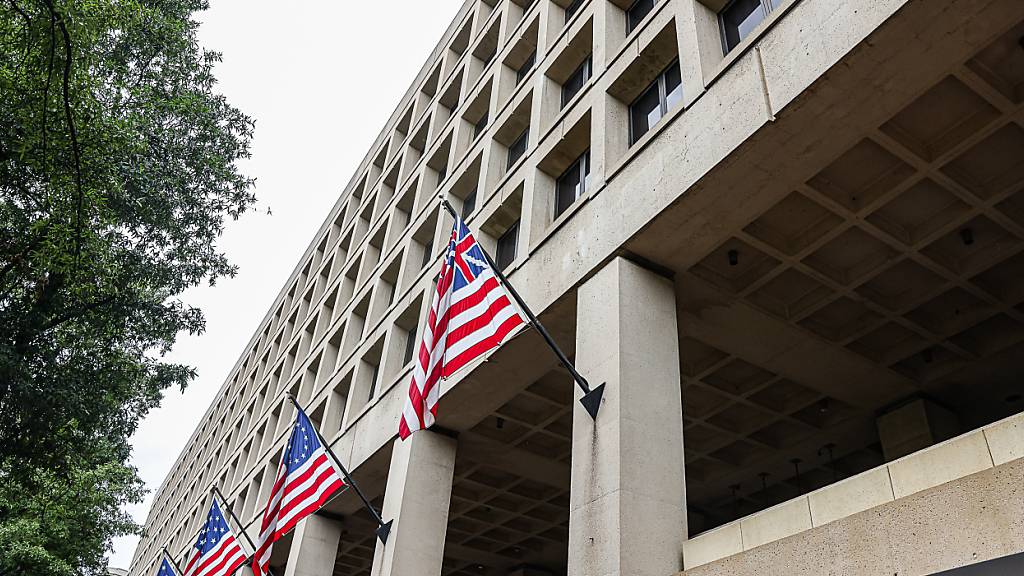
(591, 399)
(231, 513)
(383, 528)
(173, 561)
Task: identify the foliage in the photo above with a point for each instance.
(118, 169)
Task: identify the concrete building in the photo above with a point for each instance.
(788, 235)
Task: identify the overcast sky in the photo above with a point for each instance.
(320, 79)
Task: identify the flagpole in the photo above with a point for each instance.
(383, 528)
(173, 561)
(231, 514)
(591, 399)
(242, 527)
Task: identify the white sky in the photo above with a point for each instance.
(320, 79)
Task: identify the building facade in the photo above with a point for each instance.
(788, 237)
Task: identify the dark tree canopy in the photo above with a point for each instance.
(118, 169)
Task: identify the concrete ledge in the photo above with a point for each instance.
(961, 523)
(997, 444)
(1006, 440)
(714, 544)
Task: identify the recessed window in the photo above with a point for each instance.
(506, 251)
(469, 204)
(518, 148)
(636, 13)
(426, 253)
(410, 346)
(740, 17)
(490, 56)
(576, 81)
(481, 125)
(373, 382)
(661, 96)
(572, 9)
(442, 173)
(572, 183)
(526, 67)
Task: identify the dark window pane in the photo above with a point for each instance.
(481, 125)
(426, 254)
(644, 113)
(637, 12)
(673, 86)
(410, 346)
(571, 9)
(469, 204)
(576, 81)
(572, 183)
(739, 18)
(506, 252)
(518, 148)
(373, 382)
(442, 173)
(490, 56)
(526, 67)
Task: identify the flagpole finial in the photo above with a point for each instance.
(291, 398)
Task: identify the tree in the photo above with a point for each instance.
(118, 170)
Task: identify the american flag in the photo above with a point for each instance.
(166, 569)
(306, 479)
(217, 551)
(471, 315)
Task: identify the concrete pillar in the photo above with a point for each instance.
(913, 426)
(628, 504)
(417, 497)
(314, 547)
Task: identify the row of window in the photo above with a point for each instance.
(737, 19)
(664, 93)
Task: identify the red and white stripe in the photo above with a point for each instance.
(463, 325)
(295, 495)
(220, 561)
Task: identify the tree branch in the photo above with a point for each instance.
(28, 30)
(73, 132)
(49, 76)
(75, 313)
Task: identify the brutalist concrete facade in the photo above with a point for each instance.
(796, 262)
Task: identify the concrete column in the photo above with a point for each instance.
(314, 547)
(628, 504)
(417, 497)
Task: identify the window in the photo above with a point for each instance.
(636, 13)
(740, 17)
(661, 96)
(373, 382)
(506, 251)
(410, 346)
(572, 183)
(576, 81)
(490, 56)
(572, 9)
(390, 291)
(518, 148)
(442, 173)
(526, 67)
(426, 253)
(481, 125)
(469, 204)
